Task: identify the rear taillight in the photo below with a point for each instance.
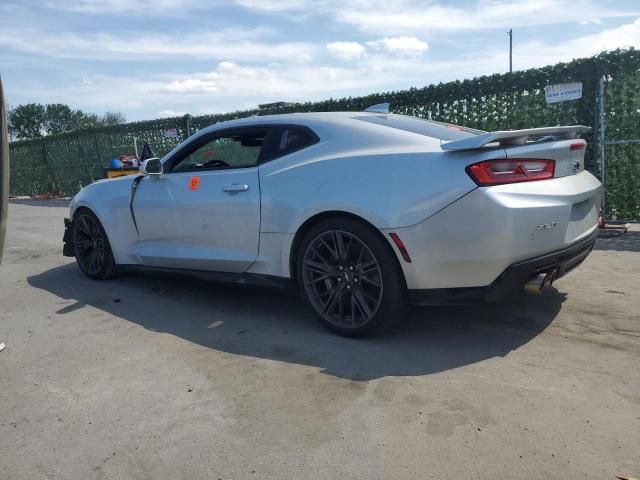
(499, 172)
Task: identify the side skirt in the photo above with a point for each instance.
(255, 279)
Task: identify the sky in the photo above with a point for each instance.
(159, 58)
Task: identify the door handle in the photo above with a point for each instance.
(235, 187)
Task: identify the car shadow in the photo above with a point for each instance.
(274, 324)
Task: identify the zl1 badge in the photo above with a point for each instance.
(194, 183)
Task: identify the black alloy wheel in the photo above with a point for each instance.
(350, 278)
(92, 249)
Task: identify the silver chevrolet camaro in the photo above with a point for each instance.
(361, 212)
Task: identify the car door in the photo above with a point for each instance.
(203, 213)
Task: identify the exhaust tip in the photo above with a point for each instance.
(537, 283)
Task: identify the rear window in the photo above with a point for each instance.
(428, 128)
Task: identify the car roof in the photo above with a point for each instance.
(301, 118)
(429, 128)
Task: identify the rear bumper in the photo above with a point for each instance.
(474, 240)
(511, 282)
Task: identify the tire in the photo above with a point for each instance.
(91, 247)
(350, 277)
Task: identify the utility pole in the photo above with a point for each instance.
(510, 33)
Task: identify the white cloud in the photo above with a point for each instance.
(303, 57)
(274, 5)
(408, 46)
(535, 54)
(248, 45)
(130, 105)
(224, 70)
(595, 21)
(396, 17)
(419, 16)
(264, 82)
(168, 113)
(205, 85)
(235, 84)
(346, 50)
(146, 7)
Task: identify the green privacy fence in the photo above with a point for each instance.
(510, 101)
(622, 145)
(62, 164)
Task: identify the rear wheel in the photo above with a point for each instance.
(91, 246)
(350, 277)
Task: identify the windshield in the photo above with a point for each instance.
(428, 128)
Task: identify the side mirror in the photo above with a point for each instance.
(151, 167)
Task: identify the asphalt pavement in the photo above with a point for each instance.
(160, 377)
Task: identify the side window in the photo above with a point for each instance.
(293, 139)
(235, 149)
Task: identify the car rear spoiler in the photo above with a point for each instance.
(514, 137)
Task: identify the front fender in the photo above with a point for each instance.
(109, 201)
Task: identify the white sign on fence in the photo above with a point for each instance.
(563, 91)
(170, 133)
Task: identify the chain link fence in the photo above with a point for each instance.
(61, 164)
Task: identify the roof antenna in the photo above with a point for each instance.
(378, 108)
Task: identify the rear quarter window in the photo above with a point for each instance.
(291, 139)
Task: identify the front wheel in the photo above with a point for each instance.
(350, 277)
(91, 246)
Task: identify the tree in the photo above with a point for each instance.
(27, 121)
(61, 119)
(112, 118)
(35, 120)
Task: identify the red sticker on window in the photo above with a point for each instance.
(194, 183)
